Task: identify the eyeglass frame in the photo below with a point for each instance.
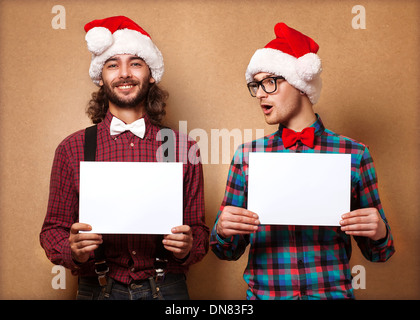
(259, 83)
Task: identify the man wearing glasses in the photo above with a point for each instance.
(292, 261)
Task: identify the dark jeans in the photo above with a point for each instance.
(173, 287)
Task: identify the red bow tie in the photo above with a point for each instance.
(306, 136)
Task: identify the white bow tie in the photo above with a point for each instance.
(138, 127)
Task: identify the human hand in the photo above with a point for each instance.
(365, 222)
(82, 244)
(236, 220)
(179, 242)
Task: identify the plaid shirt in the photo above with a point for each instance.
(128, 256)
(302, 262)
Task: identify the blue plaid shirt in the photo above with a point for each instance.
(302, 262)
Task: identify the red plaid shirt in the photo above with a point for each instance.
(129, 256)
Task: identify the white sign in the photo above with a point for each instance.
(299, 188)
(131, 197)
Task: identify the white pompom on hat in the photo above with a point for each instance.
(120, 35)
(291, 55)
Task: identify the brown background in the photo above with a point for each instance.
(370, 93)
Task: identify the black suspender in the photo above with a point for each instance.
(90, 143)
(101, 268)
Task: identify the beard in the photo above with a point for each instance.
(126, 102)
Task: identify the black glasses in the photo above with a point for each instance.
(268, 84)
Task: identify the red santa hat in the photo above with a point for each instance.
(291, 55)
(120, 35)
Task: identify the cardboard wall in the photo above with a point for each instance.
(370, 93)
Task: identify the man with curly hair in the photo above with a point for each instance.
(128, 110)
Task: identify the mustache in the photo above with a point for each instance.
(125, 82)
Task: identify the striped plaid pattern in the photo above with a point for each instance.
(128, 256)
(302, 262)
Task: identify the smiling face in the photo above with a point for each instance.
(287, 105)
(126, 80)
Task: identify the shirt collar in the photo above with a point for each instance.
(318, 125)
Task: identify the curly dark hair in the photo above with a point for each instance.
(155, 105)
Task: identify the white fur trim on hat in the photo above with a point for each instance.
(124, 41)
(308, 66)
(98, 40)
(302, 73)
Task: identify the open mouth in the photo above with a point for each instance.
(125, 87)
(266, 108)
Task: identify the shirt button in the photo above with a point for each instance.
(132, 144)
(133, 269)
(133, 253)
